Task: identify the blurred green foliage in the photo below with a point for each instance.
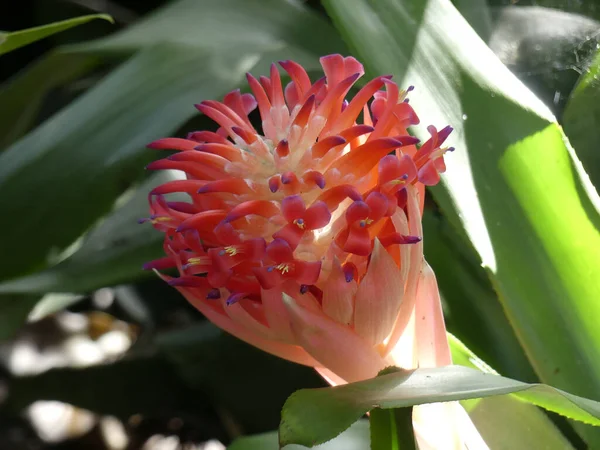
(516, 200)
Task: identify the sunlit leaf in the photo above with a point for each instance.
(312, 416)
(354, 438)
(507, 422)
(513, 184)
(13, 40)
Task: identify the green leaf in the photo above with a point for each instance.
(111, 253)
(13, 40)
(391, 429)
(14, 309)
(514, 184)
(471, 306)
(313, 416)
(581, 119)
(494, 416)
(22, 96)
(354, 438)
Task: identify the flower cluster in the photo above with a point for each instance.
(315, 212)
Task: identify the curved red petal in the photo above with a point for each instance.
(292, 207)
(280, 251)
(172, 144)
(317, 216)
(358, 242)
(262, 208)
(336, 195)
(378, 205)
(290, 233)
(358, 210)
(229, 185)
(428, 174)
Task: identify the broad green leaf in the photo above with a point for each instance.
(354, 438)
(14, 309)
(22, 96)
(472, 309)
(13, 40)
(70, 170)
(494, 416)
(391, 429)
(581, 119)
(312, 416)
(113, 252)
(222, 25)
(514, 183)
(478, 14)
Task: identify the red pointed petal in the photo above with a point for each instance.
(262, 208)
(301, 118)
(353, 132)
(208, 159)
(203, 220)
(348, 117)
(172, 144)
(207, 137)
(324, 145)
(338, 295)
(229, 185)
(264, 105)
(228, 152)
(378, 298)
(298, 75)
(334, 346)
(362, 159)
(314, 176)
(286, 351)
(188, 186)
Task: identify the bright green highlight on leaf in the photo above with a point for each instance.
(312, 416)
(16, 39)
(512, 183)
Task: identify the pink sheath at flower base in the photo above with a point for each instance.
(303, 237)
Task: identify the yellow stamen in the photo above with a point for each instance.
(283, 268)
(299, 223)
(365, 222)
(198, 260)
(161, 219)
(231, 250)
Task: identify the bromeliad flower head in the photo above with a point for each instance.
(303, 238)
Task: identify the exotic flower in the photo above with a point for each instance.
(303, 238)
